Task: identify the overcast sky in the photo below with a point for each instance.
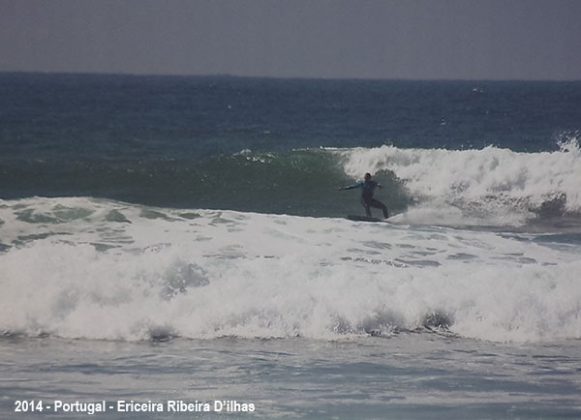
(412, 39)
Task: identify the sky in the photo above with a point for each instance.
(379, 39)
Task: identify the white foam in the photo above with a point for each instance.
(167, 272)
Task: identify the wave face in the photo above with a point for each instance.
(98, 269)
(491, 187)
(300, 182)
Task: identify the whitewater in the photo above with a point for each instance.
(87, 268)
(487, 187)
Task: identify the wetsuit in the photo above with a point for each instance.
(367, 200)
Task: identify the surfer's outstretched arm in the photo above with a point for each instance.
(351, 187)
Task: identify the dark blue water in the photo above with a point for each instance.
(89, 116)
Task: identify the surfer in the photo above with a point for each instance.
(367, 189)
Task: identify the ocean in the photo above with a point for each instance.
(177, 247)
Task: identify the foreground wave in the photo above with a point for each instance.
(99, 269)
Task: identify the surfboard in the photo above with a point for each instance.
(363, 218)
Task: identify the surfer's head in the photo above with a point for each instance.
(367, 176)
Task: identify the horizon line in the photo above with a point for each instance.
(305, 78)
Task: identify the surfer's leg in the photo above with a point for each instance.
(366, 206)
(379, 205)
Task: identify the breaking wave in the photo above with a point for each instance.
(489, 186)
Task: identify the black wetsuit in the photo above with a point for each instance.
(367, 200)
